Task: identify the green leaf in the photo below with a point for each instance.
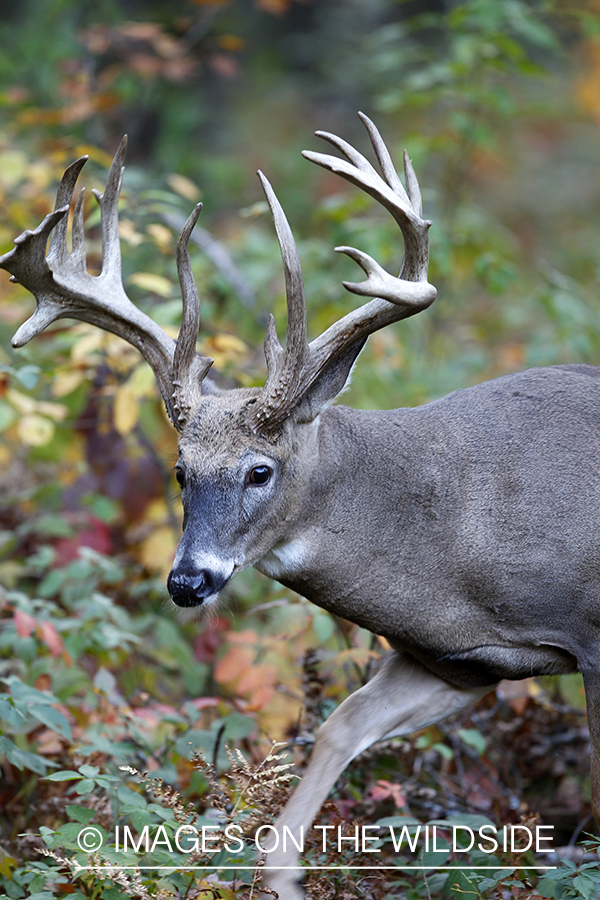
(69, 832)
(323, 625)
(28, 376)
(444, 750)
(473, 738)
(10, 713)
(64, 775)
(81, 814)
(22, 759)
(8, 415)
(586, 886)
(140, 818)
(85, 786)
(52, 718)
(27, 694)
(398, 821)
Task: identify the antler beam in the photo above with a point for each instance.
(64, 288)
(291, 372)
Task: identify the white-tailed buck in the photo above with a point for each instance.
(464, 531)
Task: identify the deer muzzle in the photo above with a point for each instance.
(192, 587)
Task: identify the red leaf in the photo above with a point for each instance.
(24, 623)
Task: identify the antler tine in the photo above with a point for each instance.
(109, 207)
(189, 369)
(384, 159)
(64, 288)
(350, 152)
(284, 367)
(412, 186)
(78, 257)
(394, 298)
(57, 245)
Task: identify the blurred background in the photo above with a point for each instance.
(498, 105)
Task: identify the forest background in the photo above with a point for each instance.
(498, 104)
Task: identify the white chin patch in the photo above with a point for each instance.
(186, 614)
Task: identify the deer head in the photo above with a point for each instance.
(239, 449)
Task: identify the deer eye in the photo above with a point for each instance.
(180, 476)
(259, 475)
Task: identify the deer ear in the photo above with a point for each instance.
(209, 387)
(331, 381)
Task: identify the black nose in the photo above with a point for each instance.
(190, 588)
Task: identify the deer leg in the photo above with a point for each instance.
(591, 680)
(403, 697)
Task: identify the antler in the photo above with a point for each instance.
(291, 372)
(64, 288)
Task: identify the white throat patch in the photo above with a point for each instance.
(283, 559)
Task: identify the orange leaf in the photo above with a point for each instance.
(51, 638)
(231, 666)
(256, 676)
(43, 682)
(249, 636)
(387, 789)
(261, 697)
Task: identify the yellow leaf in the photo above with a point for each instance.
(126, 410)
(141, 383)
(28, 406)
(155, 284)
(7, 864)
(224, 348)
(22, 403)
(129, 233)
(66, 382)
(215, 889)
(13, 167)
(231, 43)
(121, 355)
(56, 411)
(162, 236)
(158, 550)
(281, 713)
(103, 158)
(185, 187)
(86, 345)
(359, 656)
(156, 512)
(35, 430)
(229, 343)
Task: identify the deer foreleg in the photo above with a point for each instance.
(591, 681)
(403, 697)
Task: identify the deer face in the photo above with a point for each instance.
(235, 501)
